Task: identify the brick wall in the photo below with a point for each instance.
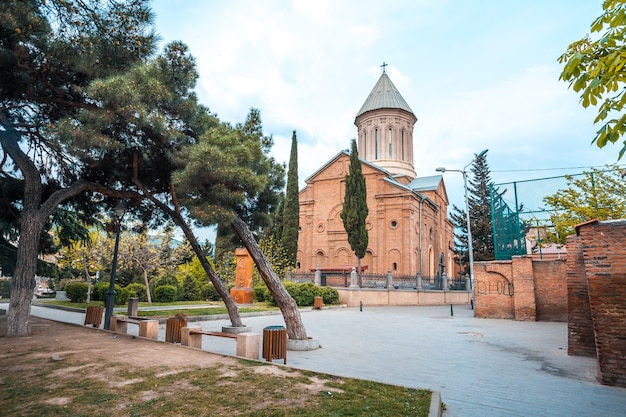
(604, 256)
(580, 338)
(551, 289)
(521, 289)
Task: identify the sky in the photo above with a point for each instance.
(480, 74)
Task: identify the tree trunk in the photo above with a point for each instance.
(287, 305)
(18, 316)
(145, 280)
(233, 311)
(231, 307)
(87, 277)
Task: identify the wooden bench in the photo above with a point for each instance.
(247, 342)
(93, 316)
(148, 328)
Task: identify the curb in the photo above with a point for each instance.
(435, 405)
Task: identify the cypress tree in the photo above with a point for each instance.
(291, 209)
(355, 209)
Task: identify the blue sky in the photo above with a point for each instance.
(480, 74)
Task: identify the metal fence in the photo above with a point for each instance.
(381, 281)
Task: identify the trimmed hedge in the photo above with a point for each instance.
(100, 292)
(137, 290)
(304, 294)
(76, 291)
(165, 294)
(209, 293)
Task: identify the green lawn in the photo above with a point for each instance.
(200, 308)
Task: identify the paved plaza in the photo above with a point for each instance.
(481, 367)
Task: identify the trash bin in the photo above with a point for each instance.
(318, 302)
(173, 327)
(275, 343)
(93, 316)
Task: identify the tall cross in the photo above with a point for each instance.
(384, 66)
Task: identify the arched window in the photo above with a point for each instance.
(376, 143)
(364, 143)
(395, 266)
(402, 143)
(389, 137)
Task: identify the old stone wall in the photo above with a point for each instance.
(521, 289)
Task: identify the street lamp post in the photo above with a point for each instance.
(470, 248)
(119, 210)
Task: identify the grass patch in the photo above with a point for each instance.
(236, 390)
(212, 308)
(100, 375)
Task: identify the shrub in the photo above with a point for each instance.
(163, 279)
(303, 294)
(121, 295)
(100, 292)
(165, 294)
(329, 294)
(262, 294)
(5, 288)
(188, 289)
(209, 293)
(137, 290)
(76, 291)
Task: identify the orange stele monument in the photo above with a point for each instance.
(242, 292)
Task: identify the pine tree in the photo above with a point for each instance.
(355, 209)
(480, 210)
(291, 210)
(480, 215)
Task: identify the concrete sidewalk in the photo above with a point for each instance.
(481, 367)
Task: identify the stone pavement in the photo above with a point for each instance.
(481, 367)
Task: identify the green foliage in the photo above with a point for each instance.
(76, 291)
(354, 212)
(262, 294)
(291, 208)
(329, 294)
(137, 290)
(480, 213)
(303, 293)
(596, 69)
(226, 268)
(163, 279)
(598, 194)
(188, 288)
(209, 293)
(100, 292)
(165, 294)
(276, 255)
(5, 288)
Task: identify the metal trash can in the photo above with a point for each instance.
(275, 343)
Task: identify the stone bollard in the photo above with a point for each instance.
(248, 345)
(133, 307)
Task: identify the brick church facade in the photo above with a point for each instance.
(408, 226)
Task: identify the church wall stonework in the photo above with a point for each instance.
(408, 228)
(393, 224)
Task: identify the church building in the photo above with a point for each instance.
(408, 226)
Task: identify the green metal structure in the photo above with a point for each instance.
(509, 233)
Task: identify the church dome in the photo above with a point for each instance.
(384, 95)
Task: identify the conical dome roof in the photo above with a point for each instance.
(384, 95)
